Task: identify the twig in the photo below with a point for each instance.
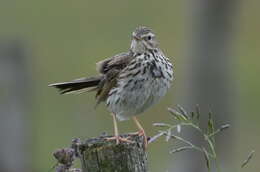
(250, 156)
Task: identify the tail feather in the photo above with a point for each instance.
(78, 85)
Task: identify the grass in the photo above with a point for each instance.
(184, 119)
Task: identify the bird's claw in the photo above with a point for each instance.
(142, 133)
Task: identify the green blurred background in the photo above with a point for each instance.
(64, 39)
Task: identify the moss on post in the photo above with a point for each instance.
(100, 155)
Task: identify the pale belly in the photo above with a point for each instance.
(132, 100)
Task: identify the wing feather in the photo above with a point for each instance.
(119, 62)
(111, 68)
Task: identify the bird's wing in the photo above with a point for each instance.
(110, 68)
(119, 62)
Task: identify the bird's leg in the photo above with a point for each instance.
(115, 128)
(117, 137)
(141, 131)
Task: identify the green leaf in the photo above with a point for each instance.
(210, 124)
(224, 127)
(177, 115)
(192, 115)
(250, 156)
(183, 111)
(180, 149)
(197, 112)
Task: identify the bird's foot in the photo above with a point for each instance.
(142, 133)
(119, 139)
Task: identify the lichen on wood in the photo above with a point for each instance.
(101, 155)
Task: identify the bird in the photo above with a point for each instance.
(130, 82)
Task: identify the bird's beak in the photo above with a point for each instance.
(136, 38)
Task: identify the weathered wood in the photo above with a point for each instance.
(101, 155)
(15, 97)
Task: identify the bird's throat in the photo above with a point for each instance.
(137, 47)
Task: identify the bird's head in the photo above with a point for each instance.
(143, 39)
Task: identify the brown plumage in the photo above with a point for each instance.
(108, 69)
(128, 82)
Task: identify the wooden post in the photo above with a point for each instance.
(207, 73)
(15, 99)
(101, 155)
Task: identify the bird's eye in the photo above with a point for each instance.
(149, 37)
